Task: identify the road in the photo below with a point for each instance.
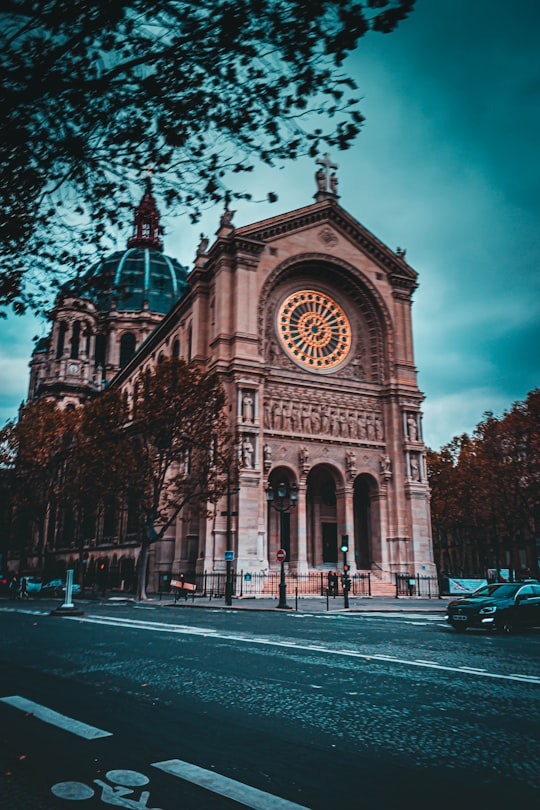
(163, 707)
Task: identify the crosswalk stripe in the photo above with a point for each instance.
(55, 718)
(224, 786)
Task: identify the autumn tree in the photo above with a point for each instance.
(485, 493)
(36, 450)
(101, 461)
(184, 453)
(92, 92)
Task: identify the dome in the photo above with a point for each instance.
(136, 279)
(141, 277)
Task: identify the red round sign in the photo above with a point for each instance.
(281, 555)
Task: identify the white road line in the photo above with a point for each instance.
(222, 785)
(56, 719)
(269, 642)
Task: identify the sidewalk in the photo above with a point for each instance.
(314, 604)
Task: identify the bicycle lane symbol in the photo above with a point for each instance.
(115, 793)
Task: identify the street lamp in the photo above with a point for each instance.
(228, 514)
(287, 498)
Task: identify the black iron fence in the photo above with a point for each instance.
(411, 585)
(313, 583)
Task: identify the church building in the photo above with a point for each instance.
(306, 318)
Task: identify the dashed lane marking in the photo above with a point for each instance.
(224, 786)
(55, 718)
(163, 627)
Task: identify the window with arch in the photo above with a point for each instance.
(176, 348)
(62, 329)
(75, 340)
(101, 345)
(127, 348)
(190, 342)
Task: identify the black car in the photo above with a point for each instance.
(505, 606)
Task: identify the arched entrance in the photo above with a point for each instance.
(365, 521)
(282, 522)
(322, 517)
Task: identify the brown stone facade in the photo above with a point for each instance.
(306, 317)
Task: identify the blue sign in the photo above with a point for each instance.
(229, 556)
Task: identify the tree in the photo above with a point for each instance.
(100, 464)
(36, 450)
(94, 91)
(184, 453)
(485, 493)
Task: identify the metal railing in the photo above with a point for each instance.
(245, 584)
(416, 585)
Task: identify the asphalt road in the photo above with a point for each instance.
(228, 709)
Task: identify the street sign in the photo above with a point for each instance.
(281, 555)
(229, 556)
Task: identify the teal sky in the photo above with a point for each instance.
(448, 167)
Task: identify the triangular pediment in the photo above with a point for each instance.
(330, 213)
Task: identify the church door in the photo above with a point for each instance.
(362, 523)
(329, 543)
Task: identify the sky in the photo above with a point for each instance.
(448, 167)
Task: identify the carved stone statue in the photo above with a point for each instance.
(325, 421)
(370, 426)
(247, 452)
(386, 466)
(267, 414)
(303, 457)
(320, 177)
(267, 456)
(203, 245)
(247, 407)
(412, 428)
(226, 217)
(278, 412)
(350, 461)
(306, 419)
(415, 469)
(362, 427)
(286, 416)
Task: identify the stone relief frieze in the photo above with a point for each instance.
(288, 410)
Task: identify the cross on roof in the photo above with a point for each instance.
(326, 162)
(326, 181)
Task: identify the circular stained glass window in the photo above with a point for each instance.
(314, 330)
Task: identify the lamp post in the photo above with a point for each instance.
(287, 498)
(228, 514)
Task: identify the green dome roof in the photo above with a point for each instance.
(141, 277)
(137, 278)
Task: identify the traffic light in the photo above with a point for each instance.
(346, 567)
(344, 543)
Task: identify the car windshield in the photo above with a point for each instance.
(499, 591)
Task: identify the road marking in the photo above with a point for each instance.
(269, 642)
(56, 719)
(224, 786)
(472, 669)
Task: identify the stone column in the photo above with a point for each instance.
(301, 528)
(345, 516)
